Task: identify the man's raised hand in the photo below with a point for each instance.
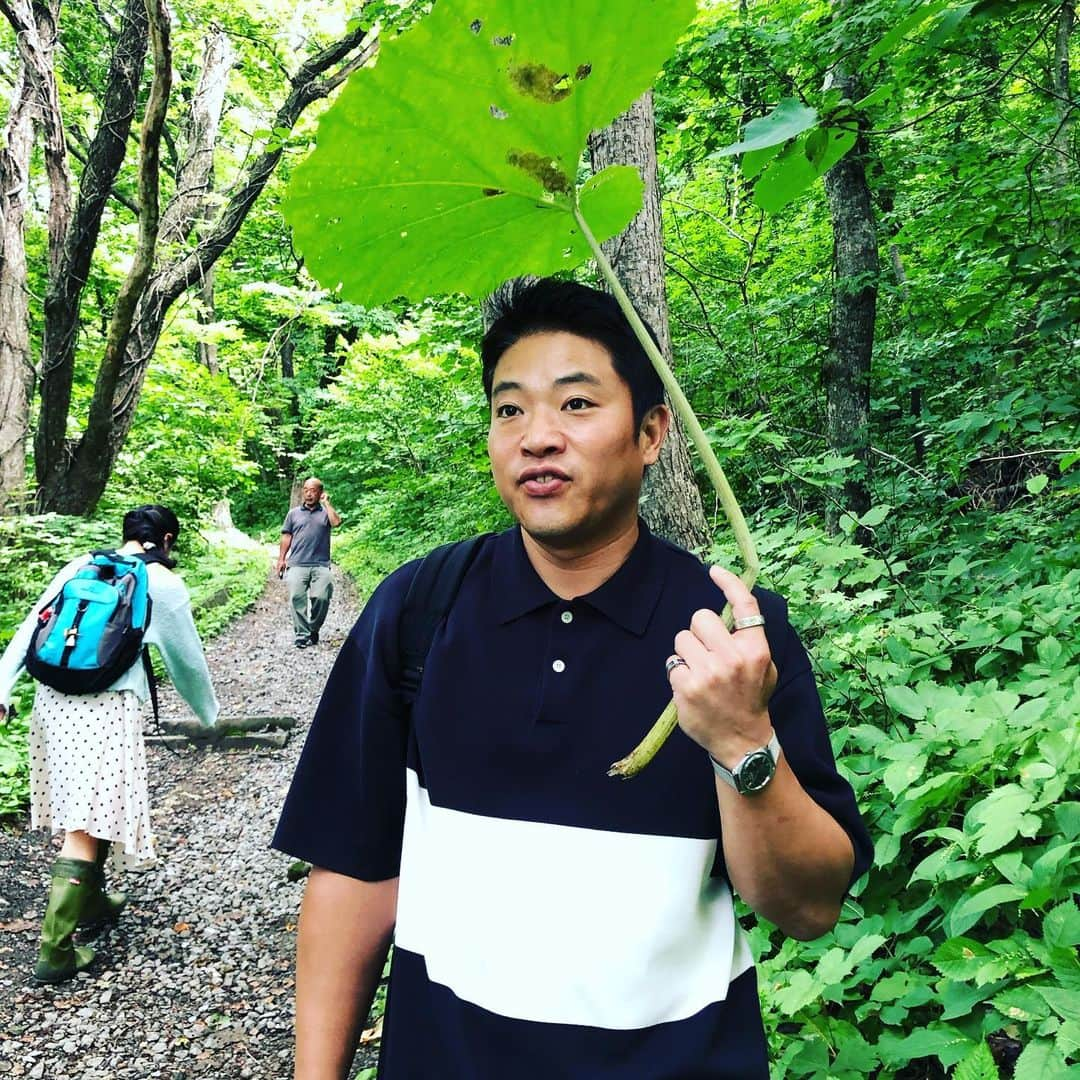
(722, 688)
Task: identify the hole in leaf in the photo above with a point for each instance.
(475, 26)
(505, 39)
(499, 114)
(583, 72)
(492, 191)
(404, 233)
(567, 252)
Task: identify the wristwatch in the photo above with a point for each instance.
(754, 772)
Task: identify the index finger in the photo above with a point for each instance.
(738, 595)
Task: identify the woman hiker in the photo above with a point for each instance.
(87, 760)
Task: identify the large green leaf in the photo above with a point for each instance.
(452, 164)
(788, 119)
(799, 165)
(969, 910)
(943, 1041)
(978, 1065)
(1041, 1059)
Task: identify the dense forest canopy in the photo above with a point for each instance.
(870, 226)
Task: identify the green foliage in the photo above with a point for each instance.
(224, 582)
(32, 550)
(946, 649)
(401, 443)
(14, 772)
(951, 683)
(187, 448)
(489, 169)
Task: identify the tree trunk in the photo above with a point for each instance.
(846, 373)
(672, 503)
(194, 178)
(1062, 163)
(187, 210)
(744, 92)
(16, 363)
(66, 283)
(35, 107)
(288, 348)
(80, 484)
(206, 352)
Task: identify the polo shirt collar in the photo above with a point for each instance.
(628, 598)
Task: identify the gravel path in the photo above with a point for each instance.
(196, 978)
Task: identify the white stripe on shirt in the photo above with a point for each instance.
(547, 922)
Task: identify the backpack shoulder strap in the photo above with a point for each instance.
(151, 682)
(427, 603)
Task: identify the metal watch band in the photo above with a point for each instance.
(772, 748)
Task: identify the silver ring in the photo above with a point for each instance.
(672, 663)
(747, 621)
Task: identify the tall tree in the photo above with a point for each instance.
(672, 506)
(1063, 160)
(16, 365)
(197, 224)
(846, 373)
(34, 107)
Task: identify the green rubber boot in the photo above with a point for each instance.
(73, 881)
(101, 907)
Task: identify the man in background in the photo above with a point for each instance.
(304, 559)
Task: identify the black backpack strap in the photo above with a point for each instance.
(150, 556)
(427, 603)
(151, 680)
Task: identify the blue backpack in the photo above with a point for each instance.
(92, 631)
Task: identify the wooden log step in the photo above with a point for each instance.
(243, 741)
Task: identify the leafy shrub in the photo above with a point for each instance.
(951, 682)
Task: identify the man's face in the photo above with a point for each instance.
(312, 492)
(566, 457)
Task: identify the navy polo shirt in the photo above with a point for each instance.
(551, 921)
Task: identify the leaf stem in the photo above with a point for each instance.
(646, 750)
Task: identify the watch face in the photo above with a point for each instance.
(755, 771)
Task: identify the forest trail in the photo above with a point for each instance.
(196, 978)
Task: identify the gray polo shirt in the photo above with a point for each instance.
(310, 532)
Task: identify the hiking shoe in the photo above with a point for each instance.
(302, 643)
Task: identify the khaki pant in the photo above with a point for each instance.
(310, 589)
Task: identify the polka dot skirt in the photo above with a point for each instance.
(88, 770)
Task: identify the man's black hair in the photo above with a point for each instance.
(149, 524)
(526, 306)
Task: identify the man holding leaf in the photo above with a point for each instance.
(549, 920)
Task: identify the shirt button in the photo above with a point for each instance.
(558, 665)
(567, 616)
